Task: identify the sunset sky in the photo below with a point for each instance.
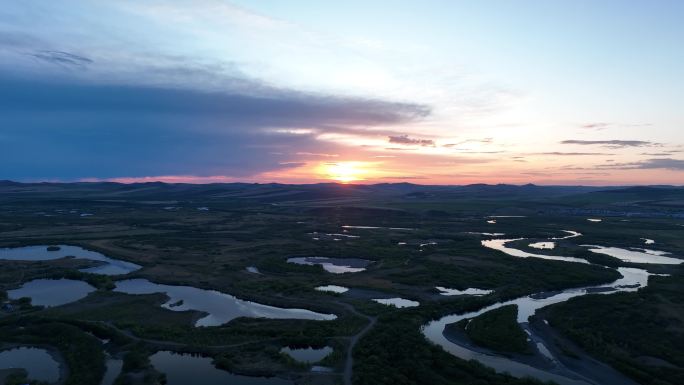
(432, 92)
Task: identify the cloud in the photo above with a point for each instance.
(70, 128)
(615, 144)
(558, 153)
(655, 163)
(406, 140)
(481, 141)
(62, 58)
(662, 153)
(313, 154)
(292, 164)
(595, 126)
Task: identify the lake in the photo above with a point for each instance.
(37, 362)
(220, 307)
(52, 292)
(111, 266)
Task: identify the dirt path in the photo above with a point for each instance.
(349, 362)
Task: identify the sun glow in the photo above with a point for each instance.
(345, 172)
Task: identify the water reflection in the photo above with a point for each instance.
(307, 355)
(184, 369)
(397, 302)
(632, 280)
(37, 362)
(333, 289)
(500, 244)
(221, 307)
(52, 292)
(333, 265)
(469, 291)
(636, 256)
(111, 266)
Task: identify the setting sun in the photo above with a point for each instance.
(345, 172)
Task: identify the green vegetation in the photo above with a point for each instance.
(263, 225)
(20, 378)
(395, 352)
(498, 330)
(82, 352)
(641, 334)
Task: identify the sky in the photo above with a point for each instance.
(578, 92)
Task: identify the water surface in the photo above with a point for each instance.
(397, 302)
(113, 369)
(307, 355)
(632, 280)
(543, 245)
(637, 255)
(221, 307)
(500, 244)
(469, 291)
(185, 369)
(37, 362)
(333, 265)
(40, 253)
(333, 289)
(52, 292)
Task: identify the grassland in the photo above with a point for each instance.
(160, 228)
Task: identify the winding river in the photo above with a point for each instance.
(632, 279)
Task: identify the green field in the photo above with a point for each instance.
(159, 227)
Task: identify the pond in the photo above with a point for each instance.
(397, 302)
(333, 289)
(113, 369)
(184, 369)
(51, 292)
(308, 355)
(468, 291)
(111, 266)
(221, 307)
(377, 227)
(333, 265)
(543, 245)
(39, 364)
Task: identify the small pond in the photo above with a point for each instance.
(333, 265)
(52, 292)
(333, 289)
(469, 291)
(113, 369)
(221, 307)
(185, 369)
(543, 245)
(39, 364)
(397, 302)
(308, 355)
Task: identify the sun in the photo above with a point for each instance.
(344, 172)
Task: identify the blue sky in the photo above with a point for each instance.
(581, 92)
